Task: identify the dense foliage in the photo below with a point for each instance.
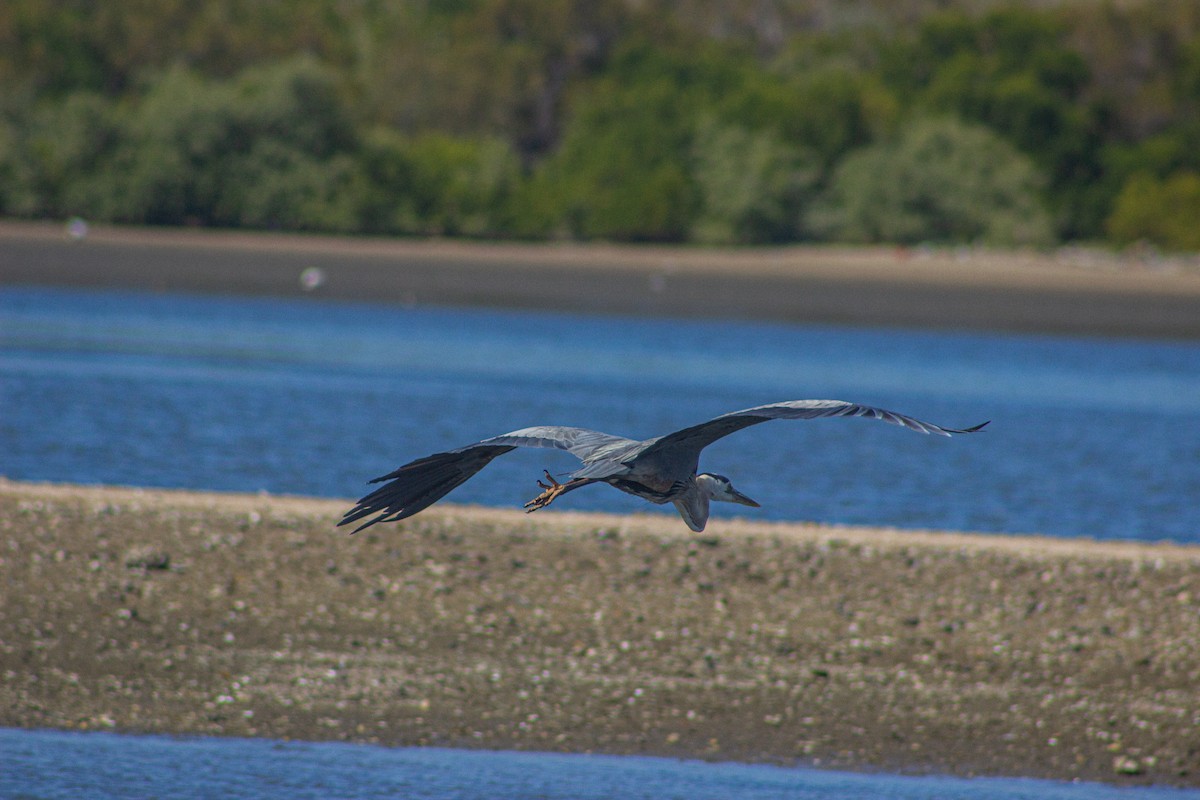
(737, 122)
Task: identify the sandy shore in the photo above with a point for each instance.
(142, 610)
(1074, 292)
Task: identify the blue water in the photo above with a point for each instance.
(52, 765)
(1090, 437)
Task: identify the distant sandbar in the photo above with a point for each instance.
(1071, 292)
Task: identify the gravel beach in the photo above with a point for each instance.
(250, 615)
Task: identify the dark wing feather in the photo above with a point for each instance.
(419, 484)
(694, 439)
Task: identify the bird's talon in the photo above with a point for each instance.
(551, 491)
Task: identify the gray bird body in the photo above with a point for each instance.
(660, 470)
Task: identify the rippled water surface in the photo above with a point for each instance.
(51, 765)
(1090, 437)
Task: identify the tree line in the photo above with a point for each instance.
(683, 121)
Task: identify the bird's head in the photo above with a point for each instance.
(718, 487)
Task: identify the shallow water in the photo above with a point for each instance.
(1090, 437)
(52, 765)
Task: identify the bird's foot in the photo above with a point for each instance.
(552, 490)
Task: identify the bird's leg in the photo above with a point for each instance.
(552, 490)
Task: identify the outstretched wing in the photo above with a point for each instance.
(421, 483)
(690, 441)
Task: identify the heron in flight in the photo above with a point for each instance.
(661, 470)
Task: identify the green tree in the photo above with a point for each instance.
(752, 185)
(55, 47)
(621, 171)
(941, 180)
(267, 149)
(49, 47)
(640, 158)
(488, 67)
(437, 185)
(1164, 212)
(51, 149)
(831, 102)
(648, 120)
(1014, 71)
(284, 188)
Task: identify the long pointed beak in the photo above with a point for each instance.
(740, 498)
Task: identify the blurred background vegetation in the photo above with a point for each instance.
(745, 121)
